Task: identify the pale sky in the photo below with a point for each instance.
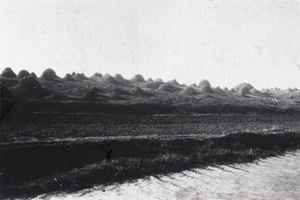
(224, 41)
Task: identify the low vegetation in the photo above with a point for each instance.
(30, 169)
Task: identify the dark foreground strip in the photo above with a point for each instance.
(27, 170)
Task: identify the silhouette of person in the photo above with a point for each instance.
(108, 152)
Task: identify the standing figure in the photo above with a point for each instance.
(108, 152)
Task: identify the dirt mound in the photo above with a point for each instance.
(243, 88)
(203, 83)
(174, 82)
(159, 80)
(23, 73)
(205, 86)
(80, 76)
(108, 79)
(69, 77)
(218, 90)
(8, 72)
(169, 88)
(193, 85)
(255, 92)
(97, 76)
(119, 78)
(153, 85)
(206, 89)
(149, 80)
(232, 91)
(30, 83)
(33, 75)
(49, 74)
(189, 91)
(29, 86)
(246, 88)
(139, 91)
(275, 89)
(138, 78)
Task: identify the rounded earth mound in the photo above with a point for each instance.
(189, 91)
(23, 73)
(138, 78)
(8, 72)
(49, 74)
(30, 86)
(169, 88)
(69, 77)
(205, 86)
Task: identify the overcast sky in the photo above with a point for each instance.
(224, 41)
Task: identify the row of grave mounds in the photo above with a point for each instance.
(9, 73)
(25, 84)
(28, 83)
(170, 86)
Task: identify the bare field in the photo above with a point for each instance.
(28, 126)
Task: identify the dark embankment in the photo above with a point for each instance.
(144, 108)
(29, 169)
